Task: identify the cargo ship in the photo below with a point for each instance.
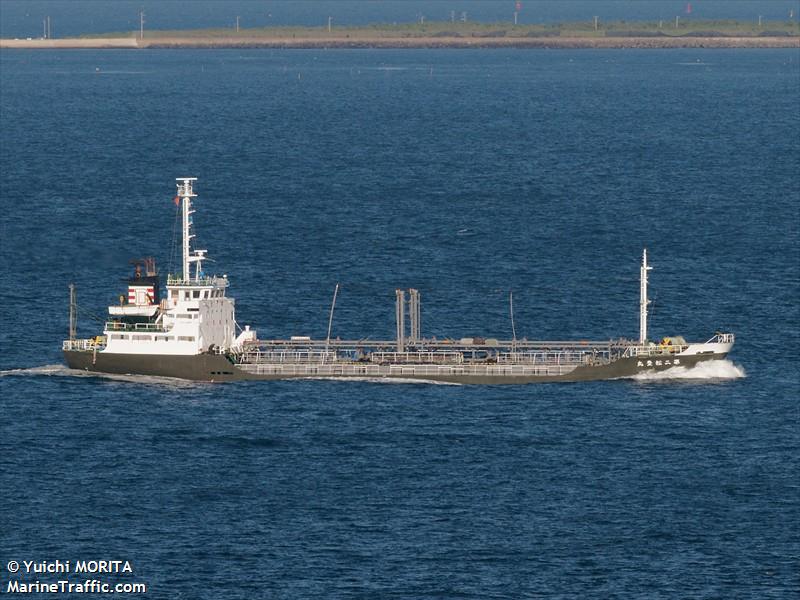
(188, 330)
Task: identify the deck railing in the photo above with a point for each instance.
(213, 281)
(85, 345)
(722, 338)
(451, 359)
(119, 326)
(374, 370)
(285, 356)
(654, 350)
(417, 357)
(555, 357)
(667, 349)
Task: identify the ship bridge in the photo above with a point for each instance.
(193, 317)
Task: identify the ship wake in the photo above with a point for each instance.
(62, 371)
(43, 370)
(711, 371)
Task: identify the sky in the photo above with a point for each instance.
(23, 18)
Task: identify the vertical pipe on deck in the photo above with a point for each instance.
(73, 312)
(400, 313)
(414, 313)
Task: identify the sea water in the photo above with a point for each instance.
(464, 174)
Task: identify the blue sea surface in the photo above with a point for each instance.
(465, 174)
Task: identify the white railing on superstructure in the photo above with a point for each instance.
(212, 281)
(83, 345)
(722, 338)
(145, 327)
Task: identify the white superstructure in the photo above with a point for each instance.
(194, 316)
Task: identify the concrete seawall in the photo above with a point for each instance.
(70, 43)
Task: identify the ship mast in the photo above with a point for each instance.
(186, 194)
(643, 300)
(73, 313)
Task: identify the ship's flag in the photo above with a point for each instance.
(688, 8)
(177, 200)
(518, 6)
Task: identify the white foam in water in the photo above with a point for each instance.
(62, 371)
(712, 370)
(43, 370)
